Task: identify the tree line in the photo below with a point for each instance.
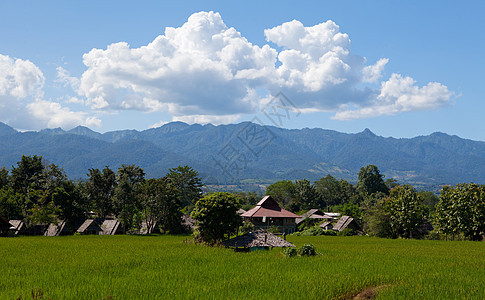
(385, 208)
(41, 193)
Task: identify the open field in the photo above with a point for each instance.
(153, 267)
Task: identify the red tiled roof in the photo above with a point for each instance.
(268, 207)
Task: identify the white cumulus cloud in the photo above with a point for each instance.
(21, 99)
(206, 71)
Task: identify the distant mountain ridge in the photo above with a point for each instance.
(248, 152)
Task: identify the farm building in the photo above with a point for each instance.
(346, 222)
(268, 213)
(257, 239)
(89, 227)
(58, 229)
(315, 215)
(327, 225)
(153, 228)
(111, 227)
(5, 227)
(19, 227)
(240, 211)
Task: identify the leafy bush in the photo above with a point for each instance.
(312, 231)
(346, 232)
(329, 232)
(307, 250)
(290, 252)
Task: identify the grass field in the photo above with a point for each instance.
(156, 267)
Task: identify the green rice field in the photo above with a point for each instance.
(164, 267)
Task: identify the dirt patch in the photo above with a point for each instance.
(368, 293)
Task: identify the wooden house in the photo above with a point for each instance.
(257, 239)
(111, 227)
(268, 213)
(90, 226)
(346, 222)
(315, 215)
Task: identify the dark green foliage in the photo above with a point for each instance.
(371, 181)
(27, 173)
(283, 192)
(216, 216)
(347, 232)
(461, 210)
(4, 180)
(402, 214)
(161, 204)
(188, 183)
(125, 200)
(306, 196)
(290, 252)
(349, 209)
(100, 190)
(307, 250)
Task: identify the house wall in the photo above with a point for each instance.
(284, 225)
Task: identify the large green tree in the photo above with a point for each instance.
(407, 213)
(100, 190)
(283, 192)
(161, 204)
(187, 182)
(371, 181)
(216, 216)
(125, 200)
(461, 210)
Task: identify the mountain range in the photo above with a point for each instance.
(252, 153)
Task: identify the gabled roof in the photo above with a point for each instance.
(343, 223)
(313, 214)
(258, 238)
(325, 224)
(17, 225)
(110, 227)
(153, 228)
(268, 207)
(89, 224)
(55, 230)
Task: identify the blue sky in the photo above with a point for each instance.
(401, 69)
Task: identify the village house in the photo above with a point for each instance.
(315, 215)
(346, 222)
(90, 227)
(267, 213)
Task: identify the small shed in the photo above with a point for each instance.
(346, 222)
(257, 239)
(327, 225)
(153, 228)
(314, 214)
(20, 227)
(89, 227)
(111, 227)
(58, 229)
(5, 227)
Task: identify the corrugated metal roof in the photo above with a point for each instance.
(342, 223)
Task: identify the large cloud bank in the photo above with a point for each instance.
(205, 71)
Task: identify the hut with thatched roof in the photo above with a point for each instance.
(153, 228)
(327, 225)
(346, 222)
(20, 227)
(111, 227)
(90, 226)
(257, 240)
(5, 227)
(268, 213)
(58, 229)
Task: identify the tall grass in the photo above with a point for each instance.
(156, 267)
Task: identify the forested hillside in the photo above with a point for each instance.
(250, 152)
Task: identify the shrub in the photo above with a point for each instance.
(346, 232)
(329, 232)
(307, 250)
(312, 231)
(290, 252)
